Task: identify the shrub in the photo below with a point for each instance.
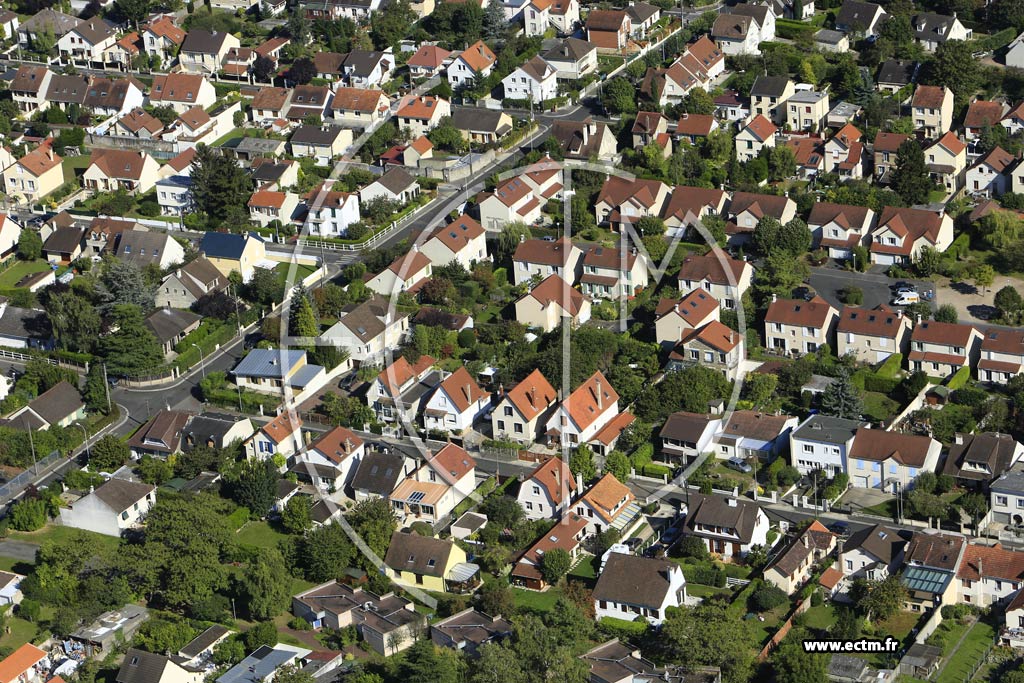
(622, 629)
(767, 598)
(28, 514)
(692, 546)
(816, 599)
(882, 385)
(708, 576)
(959, 379)
(299, 624)
(854, 296)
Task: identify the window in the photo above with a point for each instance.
(501, 424)
(893, 468)
(517, 428)
(849, 565)
(1001, 500)
(536, 490)
(808, 448)
(875, 467)
(860, 464)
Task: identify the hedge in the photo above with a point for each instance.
(656, 471)
(959, 379)
(882, 385)
(891, 367)
(707, 576)
(996, 40)
(622, 629)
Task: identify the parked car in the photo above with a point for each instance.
(633, 543)
(906, 299)
(739, 464)
(840, 528)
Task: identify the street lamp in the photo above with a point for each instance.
(202, 367)
(86, 435)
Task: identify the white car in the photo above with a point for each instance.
(907, 298)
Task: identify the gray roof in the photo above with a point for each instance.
(769, 86)
(203, 41)
(719, 511)
(759, 13)
(614, 662)
(142, 247)
(1011, 482)
(881, 542)
(207, 427)
(569, 50)
(472, 626)
(856, 15)
(203, 641)
(932, 27)
(58, 22)
(808, 96)
(476, 120)
(24, 323)
(683, 426)
(57, 403)
(379, 473)
(988, 448)
(362, 62)
(67, 89)
(847, 667)
(316, 135)
(168, 323)
(259, 665)
(827, 429)
(140, 666)
(897, 72)
(268, 362)
(260, 145)
(829, 37)
(95, 30)
(64, 240)
(633, 580)
(120, 494)
(396, 181)
(410, 552)
(366, 320)
(640, 12)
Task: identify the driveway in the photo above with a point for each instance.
(828, 281)
(19, 550)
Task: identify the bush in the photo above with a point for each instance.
(622, 629)
(882, 385)
(708, 576)
(28, 514)
(299, 624)
(853, 296)
(959, 379)
(767, 598)
(816, 599)
(692, 546)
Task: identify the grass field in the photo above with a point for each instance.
(879, 406)
(963, 659)
(820, 618)
(73, 164)
(10, 277)
(301, 272)
(53, 532)
(533, 601)
(260, 535)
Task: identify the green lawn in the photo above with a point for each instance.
(10, 277)
(880, 407)
(18, 633)
(260, 535)
(534, 601)
(899, 625)
(73, 164)
(586, 568)
(962, 661)
(699, 591)
(820, 618)
(60, 534)
(301, 272)
(886, 509)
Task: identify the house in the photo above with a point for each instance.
(587, 410)
(989, 574)
(794, 565)
(10, 589)
(890, 460)
(981, 115)
(395, 186)
(160, 436)
(269, 370)
(140, 666)
(308, 101)
(976, 460)
(357, 106)
(623, 200)
(946, 161)
(686, 206)
(110, 170)
(521, 414)
(827, 40)
(550, 302)
(512, 201)
(29, 86)
(379, 474)
(761, 14)
(368, 330)
(1006, 496)
(609, 30)
(281, 436)
(737, 34)
(871, 336)
(808, 155)
(989, 176)
(684, 436)
(138, 123)
(396, 393)
(886, 146)
(1001, 356)
(609, 504)
(263, 663)
(822, 442)
(932, 110)
(368, 68)
(747, 434)
(170, 325)
(535, 258)
(467, 630)
(34, 175)
(161, 38)
(427, 61)
(874, 552)
(269, 104)
(214, 430)
(894, 75)
(476, 61)
(610, 273)
(584, 139)
(330, 212)
(860, 18)
(940, 349)
(642, 16)
(840, 227)
(190, 283)
(421, 114)
(806, 110)
(112, 508)
(568, 534)
(901, 234)
(572, 58)
(535, 80)
(321, 143)
(798, 327)
(64, 245)
(149, 247)
(674, 320)
(695, 128)
(267, 206)
(424, 562)
(86, 43)
(758, 134)
(329, 462)
(462, 241)
(768, 96)
(713, 345)
(549, 490)
(631, 586)
(27, 664)
(932, 30)
(746, 209)
(728, 526)
(405, 274)
(229, 252)
(203, 52)
(59, 406)
(182, 91)
(337, 606)
(483, 126)
(456, 404)
(648, 127)
(45, 23)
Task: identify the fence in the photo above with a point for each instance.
(59, 362)
(367, 244)
(786, 627)
(13, 487)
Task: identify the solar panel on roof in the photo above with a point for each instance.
(417, 496)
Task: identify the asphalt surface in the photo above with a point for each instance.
(829, 281)
(18, 550)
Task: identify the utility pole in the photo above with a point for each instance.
(32, 445)
(106, 388)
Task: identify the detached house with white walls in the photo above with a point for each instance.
(940, 349)
(420, 115)
(932, 110)
(370, 329)
(546, 305)
(456, 404)
(512, 201)
(685, 435)
(1002, 355)
(330, 461)
(521, 414)
(444, 480)
(729, 527)
(874, 552)
(822, 442)
(990, 175)
(398, 391)
(476, 61)
(463, 241)
(549, 490)
(718, 274)
(587, 410)
(890, 460)
(630, 586)
(535, 258)
(405, 274)
(674, 320)
(758, 134)
(111, 509)
(536, 81)
(901, 233)
(839, 227)
(609, 504)
(281, 436)
(794, 565)
(610, 273)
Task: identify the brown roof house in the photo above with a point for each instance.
(793, 566)
(61, 405)
(113, 508)
(747, 208)
(110, 170)
(512, 201)
(794, 326)
(976, 460)
(550, 302)
(890, 460)
(684, 435)
(476, 61)
(630, 586)
(161, 435)
(874, 552)
(941, 349)
(674, 320)
(584, 139)
(932, 110)
(609, 504)
(34, 175)
(548, 491)
(1002, 355)
(369, 329)
(885, 147)
(872, 335)
(609, 30)
(728, 526)
(462, 241)
(189, 283)
(456, 404)
(585, 412)
(840, 227)
(521, 413)
(901, 233)
(748, 432)
(468, 630)
(535, 258)
(427, 563)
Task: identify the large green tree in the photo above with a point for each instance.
(123, 282)
(108, 453)
(619, 96)
(955, 67)
(266, 594)
(132, 349)
(75, 321)
(793, 664)
(910, 179)
(708, 635)
(219, 185)
(255, 486)
(841, 398)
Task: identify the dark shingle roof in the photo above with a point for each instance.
(880, 541)
(379, 473)
(642, 581)
(769, 86)
(897, 72)
(120, 494)
(410, 552)
(168, 323)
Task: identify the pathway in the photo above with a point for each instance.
(953, 650)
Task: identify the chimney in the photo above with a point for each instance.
(959, 439)
(899, 314)
(579, 482)
(600, 400)
(533, 396)
(731, 502)
(558, 474)
(918, 318)
(775, 297)
(469, 392)
(732, 337)
(807, 544)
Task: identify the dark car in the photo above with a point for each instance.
(656, 550)
(633, 543)
(840, 529)
(805, 293)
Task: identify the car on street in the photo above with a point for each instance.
(739, 464)
(841, 529)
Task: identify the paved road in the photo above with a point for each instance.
(18, 550)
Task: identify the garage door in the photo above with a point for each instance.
(884, 259)
(860, 482)
(838, 253)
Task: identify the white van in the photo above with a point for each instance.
(906, 298)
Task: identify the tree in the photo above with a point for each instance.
(879, 600)
(256, 486)
(910, 179)
(264, 288)
(134, 11)
(781, 163)
(780, 275)
(1007, 13)
(327, 552)
(295, 516)
(766, 234)
(497, 663)
(619, 96)
(303, 320)
(795, 237)
(108, 453)
(291, 673)
(946, 313)
(132, 349)
(28, 514)
(95, 392)
(1010, 304)
(374, 520)
(617, 464)
(75, 321)
(219, 185)
(123, 282)
(983, 275)
(793, 664)
(927, 505)
(263, 633)
(425, 663)
(698, 101)
(581, 463)
(708, 635)
(955, 67)
(263, 69)
(841, 398)
(768, 597)
(495, 597)
(494, 21)
(30, 245)
(266, 594)
(975, 505)
(554, 565)
(650, 225)
(302, 71)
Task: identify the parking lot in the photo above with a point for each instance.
(829, 281)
